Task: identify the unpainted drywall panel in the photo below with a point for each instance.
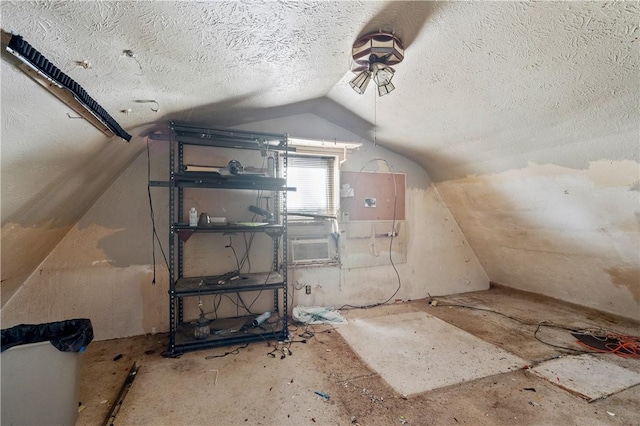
(566, 233)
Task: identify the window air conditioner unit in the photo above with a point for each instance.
(306, 251)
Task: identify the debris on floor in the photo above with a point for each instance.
(317, 315)
(117, 404)
(324, 395)
(215, 382)
(372, 397)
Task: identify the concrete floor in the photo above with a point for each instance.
(251, 388)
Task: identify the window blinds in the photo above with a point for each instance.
(313, 178)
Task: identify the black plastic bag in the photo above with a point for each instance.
(67, 336)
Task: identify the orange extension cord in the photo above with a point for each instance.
(623, 345)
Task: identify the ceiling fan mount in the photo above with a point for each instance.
(379, 46)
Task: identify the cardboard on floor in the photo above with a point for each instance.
(416, 352)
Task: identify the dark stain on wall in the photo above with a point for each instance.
(627, 277)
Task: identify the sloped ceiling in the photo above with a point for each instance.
(485, 86)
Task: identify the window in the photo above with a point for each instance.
(314, 171)
(313, 177)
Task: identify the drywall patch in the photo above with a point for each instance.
(626, 277)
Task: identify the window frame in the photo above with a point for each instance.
(333, 199)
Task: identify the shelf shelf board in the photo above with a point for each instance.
(185, 231)
(190, 286)
(230, 227)
(215, 180)
(228, 331)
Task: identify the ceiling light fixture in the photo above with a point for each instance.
(374, 54)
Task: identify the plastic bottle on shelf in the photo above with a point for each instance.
(193, 217)
(260, 319)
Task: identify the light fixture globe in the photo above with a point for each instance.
(382, 74)
(385, 89)
(360, 82)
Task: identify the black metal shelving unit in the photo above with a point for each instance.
(229, 330)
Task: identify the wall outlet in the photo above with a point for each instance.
(345, 216)
(307, 289)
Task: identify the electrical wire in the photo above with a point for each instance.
(282, 347)
(235, 351)
(628, 346)
(535, 335)
(154, 233)
(238, 306)
(622, 345)
(240, 265)
(230, 245)
(247, 248)
(217, 298)
(266, 280)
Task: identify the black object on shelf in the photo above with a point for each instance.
(225, 331)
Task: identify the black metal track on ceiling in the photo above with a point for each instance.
(42, 64)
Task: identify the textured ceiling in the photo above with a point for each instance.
(485, 86)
